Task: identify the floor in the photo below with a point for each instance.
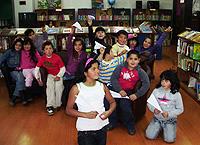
(30, 125)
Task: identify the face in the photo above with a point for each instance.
(133, 61)
(132, 44)
(78, 46)
(18, 46)
(100, 34)
(147, 43)
(166, 84)
(48, 50)
(122, 39)
(27, 47)
(32, 35)
(93, 72)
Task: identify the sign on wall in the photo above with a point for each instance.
(49, 4)
(97, 4)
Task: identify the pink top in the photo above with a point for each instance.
(26, 61)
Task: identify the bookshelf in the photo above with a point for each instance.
(106, 17)
(59, 17)
(188, 71)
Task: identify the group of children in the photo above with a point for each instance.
(115, 68)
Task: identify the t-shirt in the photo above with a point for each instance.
(52, 64)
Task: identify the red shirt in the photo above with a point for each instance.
(52, 64)
(128, 78)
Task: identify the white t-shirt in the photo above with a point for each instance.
(90, 99)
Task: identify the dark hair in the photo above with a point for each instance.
(172, 77)
(99, 29)
(32, 52)
(107, 51)
(15, 42)
(133, 52)
(123, 32)
(47, 43)
(132, 39)
(82, 77)
(28, 32)
(75, 53)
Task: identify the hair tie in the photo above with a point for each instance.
(88, 61)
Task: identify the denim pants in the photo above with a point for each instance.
(168, 127)
(92, 137)
(122, 112)
(20, 83)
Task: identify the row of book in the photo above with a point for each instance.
(191, 35)
(188, 64)
(191, 50)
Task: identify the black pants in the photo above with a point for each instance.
(92, 137)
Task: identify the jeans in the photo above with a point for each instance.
(92, 137)
(168, 126)
(20, 83)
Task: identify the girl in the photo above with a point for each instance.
(170, 100)
(132, 41)
(12, 59)
(76, 55)
(29, 59)
(89, 97)
(124, 80)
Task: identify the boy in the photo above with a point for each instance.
(56, 69)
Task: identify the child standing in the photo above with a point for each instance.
(132, 41)
(56, 69)
(170, 100)
(75, 56)
(29, 59)
(120, 47)
(124, 80)
(12, 59)
(89, 97)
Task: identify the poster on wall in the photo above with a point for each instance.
(98, 4)
(54, 4)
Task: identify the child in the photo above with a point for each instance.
(89, 97)
(124, 80)
(148, 49)
(120, 47)
(29, 59)
(168, 97)
(56, 69)
(37, 40)
(12, 59)
(132, 41)
(75, 56)
(108, 64)
(99, 36)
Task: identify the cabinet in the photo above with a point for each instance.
(188, 48)
(161, 17)
(108, 17)
(59, 17)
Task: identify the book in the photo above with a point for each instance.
(198, 90)
(196, 51)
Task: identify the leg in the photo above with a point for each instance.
(28, 74)
(153, 129)
(86, 138)
(169, 131)
(50, 90)
(101, 137)
(59, 87)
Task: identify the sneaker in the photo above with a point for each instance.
(12, 103)
(30, 99)
(131, 131)
(50, 111)
(24, 102)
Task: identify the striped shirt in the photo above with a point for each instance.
(107, 68)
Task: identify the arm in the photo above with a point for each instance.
(90, 32)
(70, 106)
(111, 101)
(69, 41)
(178, 108)
(4, 57)
(115, 77)
(145, 83)
(61, 72)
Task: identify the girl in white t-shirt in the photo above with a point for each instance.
(89, 96)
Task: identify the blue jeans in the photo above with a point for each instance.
(168, 126)
(97, 137)
(20, 82)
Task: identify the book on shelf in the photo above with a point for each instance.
(196, 51)
(145, 27)
(198, 90)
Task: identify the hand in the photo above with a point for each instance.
(123, 93)
(165, 114)
(104, 115)
(40, 82)
(91, 114)
(102, 50)
(56, 78)
(73, 29)
(123, 52)
(156, 111)
(43, 29)
(89, 21)
(168, 29)
(133, 97)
